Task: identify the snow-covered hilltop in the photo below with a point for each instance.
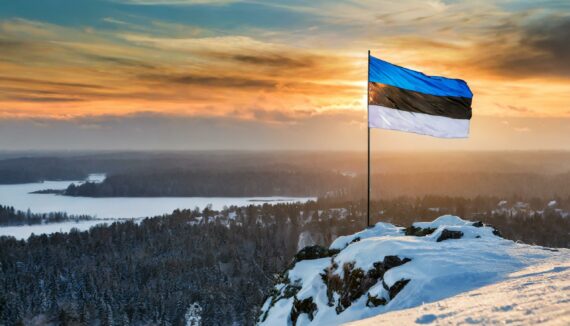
(388, 268)
(536, 295)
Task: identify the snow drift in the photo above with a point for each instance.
(387, 268)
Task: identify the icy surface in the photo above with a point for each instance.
(437, 270)
(20, 197)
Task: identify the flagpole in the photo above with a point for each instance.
(368, 122)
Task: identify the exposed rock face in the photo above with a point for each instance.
(397, 287)
(449, 234)
(418, 232)
(305, 306)
(478, 224)
(314, 252)
(375, 301)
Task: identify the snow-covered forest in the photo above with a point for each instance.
(225, 261)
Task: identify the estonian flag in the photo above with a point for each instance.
(408, 100)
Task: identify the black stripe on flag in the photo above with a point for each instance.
(402, 99)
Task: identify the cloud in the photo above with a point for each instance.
(235, 82)
(150, 59)
(214, 44)
(119, 61)
(537, 48)
(46, 99)
(514, 108)
(30, 81)
(274, 60)
(176, 2)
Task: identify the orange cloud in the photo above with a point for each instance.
(52, 71)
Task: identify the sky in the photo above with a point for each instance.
(256, 75)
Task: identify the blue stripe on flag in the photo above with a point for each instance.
(387, 73)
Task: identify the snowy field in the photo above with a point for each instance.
(458, 256)
(532, 296)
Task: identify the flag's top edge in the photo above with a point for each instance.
(390, 74)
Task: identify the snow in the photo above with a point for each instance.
(448, 220)
(380, 229)
(534, 295)
(22, 232)
(437, 270)
(193, 315)
(552, 203)
(96, 177)
(305, 240)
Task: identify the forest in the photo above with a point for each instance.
(341, 175)
(158, 271)
(328, 184)
(185, 183)
(12, 217)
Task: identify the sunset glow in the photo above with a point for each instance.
(273, 62)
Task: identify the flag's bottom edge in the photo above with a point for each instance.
(419, 123)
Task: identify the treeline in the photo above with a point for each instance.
(329, 184)
(12, 217)
(462, 184)
(187, 183)
(25, 170)
(37, 166)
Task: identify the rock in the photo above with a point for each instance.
(355, 281)
(478, 224)
(394, 261)
(291, 290)
(397, 287)
(305, 306)
(354, 240)
(418, 232)
(375, 301)
(314, 252)
(448, 234)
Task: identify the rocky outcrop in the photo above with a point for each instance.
(381, 269)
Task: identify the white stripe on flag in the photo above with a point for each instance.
(419, 123)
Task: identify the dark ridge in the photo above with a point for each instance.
(449, 234)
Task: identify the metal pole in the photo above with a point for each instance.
(368, 122)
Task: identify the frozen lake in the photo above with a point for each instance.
(25, 231)
(20, 197)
